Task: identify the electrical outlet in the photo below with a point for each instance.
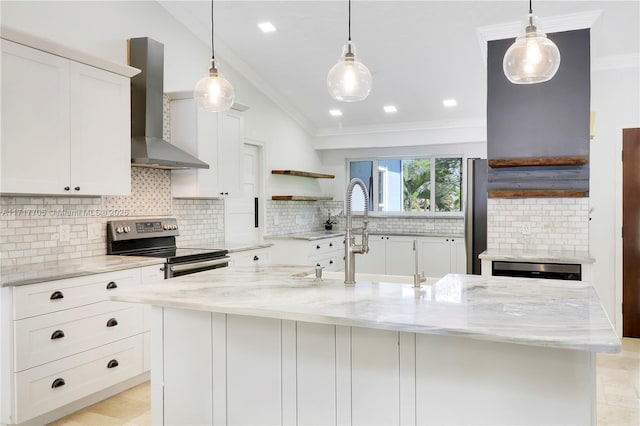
(93, 231)
(65, 232)
(525, 229)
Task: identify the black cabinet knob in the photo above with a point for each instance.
(331, 262)
(56, 295)
(113, 363)
(77, 188)
(57, 383)
(58, 334)
(317, 264)
(112, 322)
(111, 285)
(66, 188)
(256, 258)
(317, 247)
(330, 244)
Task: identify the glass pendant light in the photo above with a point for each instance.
(214, 93)
(349, 80)
(533, 58)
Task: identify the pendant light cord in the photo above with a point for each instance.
(350, 20)
(530, 8)
(212, 54)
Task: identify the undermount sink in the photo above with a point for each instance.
(400, 279)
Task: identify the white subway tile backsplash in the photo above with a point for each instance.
(303, 216)
(555, 224)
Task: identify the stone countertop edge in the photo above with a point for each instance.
(548, 313)
(13, 276)
(230, 246)
(537, 256)
(319, 235)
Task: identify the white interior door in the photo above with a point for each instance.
(240, 218)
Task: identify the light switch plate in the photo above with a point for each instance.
(65, 232)
(93, 231)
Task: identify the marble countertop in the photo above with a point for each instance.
(551, 313)
(70, 268)
(537, 256)
(317, 235)
(232, 247)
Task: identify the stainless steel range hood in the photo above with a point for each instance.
(148, 149)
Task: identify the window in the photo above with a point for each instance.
(411, 185)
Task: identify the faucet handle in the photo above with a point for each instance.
(365, 239)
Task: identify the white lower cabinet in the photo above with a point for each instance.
(325, 252)
(250, 257)
(394, 255)
(220, 369)
(442, 255)
(65, 341)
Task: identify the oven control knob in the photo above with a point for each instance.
(175, 226)
(119, 230)
(165, 226)
(127, 229)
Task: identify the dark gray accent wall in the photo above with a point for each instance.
(542, 120)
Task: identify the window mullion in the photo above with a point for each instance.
(432, 185)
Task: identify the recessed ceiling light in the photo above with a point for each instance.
(266, 27)
(335, 112)
(390, 109)
(449, 103)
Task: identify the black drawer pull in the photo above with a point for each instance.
(77, 188)
(66, 188)
(331, 262)
(58, 334)
(57, 383)
(112, 322)
(256, 258)
(112, 285)
(330, 244)
(113, 363)
(317, 247)
(317, 264)
(56, 295)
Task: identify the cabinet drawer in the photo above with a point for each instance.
(46, 338)
(43, 298)
(325, 246)
(329, 263)
(41, 389)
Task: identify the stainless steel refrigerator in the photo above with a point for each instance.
(476, 213)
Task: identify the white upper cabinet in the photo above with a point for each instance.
(214, 138)
(65, 126)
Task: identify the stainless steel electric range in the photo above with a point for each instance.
(157, 238)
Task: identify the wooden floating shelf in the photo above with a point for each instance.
(577, 160)
(300, 198)
(537, 193)
(302, 174)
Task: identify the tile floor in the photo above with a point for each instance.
(618, 377)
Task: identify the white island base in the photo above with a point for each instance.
(226, 369)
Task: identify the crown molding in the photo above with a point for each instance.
(403, 127)
(548, 24)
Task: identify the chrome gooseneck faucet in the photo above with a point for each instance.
(350, 247)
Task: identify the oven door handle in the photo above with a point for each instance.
(198, 264)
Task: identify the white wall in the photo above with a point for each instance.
(615, 100)
(102, 28)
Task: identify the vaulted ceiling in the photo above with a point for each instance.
(419, 52)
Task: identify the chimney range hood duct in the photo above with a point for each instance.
(148, 149)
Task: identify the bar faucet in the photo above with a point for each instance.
(350, 246)
(418, 278)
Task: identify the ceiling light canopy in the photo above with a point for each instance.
(349, 80)
(335, 112)
(389, 109)
(449, 102)
(533, 58)
(214, 93)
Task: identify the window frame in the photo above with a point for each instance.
(376, 166)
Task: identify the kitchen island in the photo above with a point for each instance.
(274, 345)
